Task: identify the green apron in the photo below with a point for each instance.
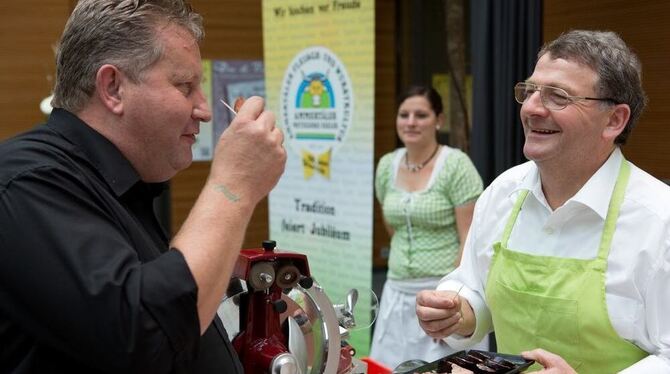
(558, 304)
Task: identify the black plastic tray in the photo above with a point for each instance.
(500, 363)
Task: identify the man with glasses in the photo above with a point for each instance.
(89, 282)
(567, 256)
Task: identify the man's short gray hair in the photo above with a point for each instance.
(619, 69)
(122, 33)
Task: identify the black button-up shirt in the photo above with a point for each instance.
(87, 283)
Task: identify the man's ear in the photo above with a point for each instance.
(109, 87)
(618, 120)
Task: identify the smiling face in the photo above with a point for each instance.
(571, 136)
(416, 122)
(162, 112)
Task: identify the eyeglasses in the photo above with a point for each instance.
(553, 98)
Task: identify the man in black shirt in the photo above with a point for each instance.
(88, 280)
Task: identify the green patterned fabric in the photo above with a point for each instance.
(425, 241)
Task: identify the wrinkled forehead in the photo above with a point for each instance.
(570, 74)
(585, 60)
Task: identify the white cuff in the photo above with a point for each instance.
(649, 364)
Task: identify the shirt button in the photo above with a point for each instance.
(548, 231)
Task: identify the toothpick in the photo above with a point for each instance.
(458, 292)
(228, 106)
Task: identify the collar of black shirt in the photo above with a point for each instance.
(98, 150)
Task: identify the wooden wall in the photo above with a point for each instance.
(643, 25)
(385, 106)
(29, 29)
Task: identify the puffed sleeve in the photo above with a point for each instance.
(383, 176)
(463, 184)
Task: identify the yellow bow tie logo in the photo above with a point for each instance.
(312, 162)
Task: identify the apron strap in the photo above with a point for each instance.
(512, 217)
(613, 211)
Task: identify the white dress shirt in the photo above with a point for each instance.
(637, 285)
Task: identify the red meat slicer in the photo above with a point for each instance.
(281, 321)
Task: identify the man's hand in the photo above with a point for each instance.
(442, 313)
(249, 157)
(552, 363)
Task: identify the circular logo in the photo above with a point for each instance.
(316, 103)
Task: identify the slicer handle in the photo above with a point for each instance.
(269, 245)
(352, 299)
(306, 282)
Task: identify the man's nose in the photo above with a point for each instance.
(201, 110)
(534, 105)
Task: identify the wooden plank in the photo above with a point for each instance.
(385, 109)
(29, 31)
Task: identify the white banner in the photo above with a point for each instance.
(319, 61)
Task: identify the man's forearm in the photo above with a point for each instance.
(210, 240)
